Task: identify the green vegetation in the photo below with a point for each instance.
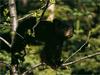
(86, 17)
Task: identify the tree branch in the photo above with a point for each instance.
(88, 56)
(28, 15)
(79, 48)
(46, 6)
(6, 42)
(33, 67)
(64, 64)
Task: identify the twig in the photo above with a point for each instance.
(6, 42)
(88, 56)
(79, 48)
(33, 67)
(28, 15)
(46, 6)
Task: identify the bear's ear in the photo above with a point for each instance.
(56, 21)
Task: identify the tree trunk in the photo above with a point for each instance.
(51, 9)
(14, 25)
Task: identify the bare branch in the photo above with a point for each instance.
(28, 15)
(88, 56)
(33, 67)
(79, 48)
(6, 42)
(46, 6)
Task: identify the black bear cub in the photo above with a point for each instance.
(53, 35)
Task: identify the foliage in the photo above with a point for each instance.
(86, 19)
